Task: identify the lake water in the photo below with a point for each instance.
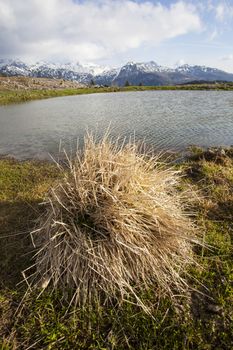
(168, 120)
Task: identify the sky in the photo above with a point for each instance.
(113, 32)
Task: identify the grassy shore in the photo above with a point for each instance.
(206, 323)
(17, 96)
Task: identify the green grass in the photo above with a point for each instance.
(207, 323)
(22, 186)
(17, 96)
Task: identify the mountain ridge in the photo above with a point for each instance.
(145, 73)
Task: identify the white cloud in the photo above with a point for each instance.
(180, 62)
(225, 63)
(89, 30)
(227, 58)
(220, 12)
(223, 11)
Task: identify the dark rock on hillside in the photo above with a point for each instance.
(147, 73)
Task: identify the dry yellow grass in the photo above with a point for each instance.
(29, 83)
(114, 227)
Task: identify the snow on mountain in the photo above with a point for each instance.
(95, 69)
(192, 69)
(146, 73)
(147, 67)
(14, 67)
(204, 73)
(76, 67)
(107, 76)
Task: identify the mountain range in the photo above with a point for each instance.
(145, 73)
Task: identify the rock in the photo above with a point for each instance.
(221, 152)
(213, 308)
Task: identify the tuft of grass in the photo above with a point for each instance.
(203, 322)
(114, 227)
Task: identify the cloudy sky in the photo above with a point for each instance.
(112, 32)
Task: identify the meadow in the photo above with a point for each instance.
(42, 321)
(23, 95)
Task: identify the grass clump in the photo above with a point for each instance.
(203, 322)
(114, 228)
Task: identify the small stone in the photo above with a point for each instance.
(213, 308)
(221, 152)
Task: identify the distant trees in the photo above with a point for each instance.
(140, 84)
(92, 83)
(127, 83)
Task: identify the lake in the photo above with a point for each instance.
(167, 120)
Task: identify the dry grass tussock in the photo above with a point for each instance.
(115, 227)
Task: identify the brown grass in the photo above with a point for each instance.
(114, 228)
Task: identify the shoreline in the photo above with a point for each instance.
(182, 154)
(23, 95)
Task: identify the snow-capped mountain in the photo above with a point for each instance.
(146, 67)
(69, 71)
(204, 73)
(13, 67)
(107, 77)
(146, 73)
(192, 69)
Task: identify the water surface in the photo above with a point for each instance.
(165, 119)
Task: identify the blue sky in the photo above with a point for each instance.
(112, 32)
